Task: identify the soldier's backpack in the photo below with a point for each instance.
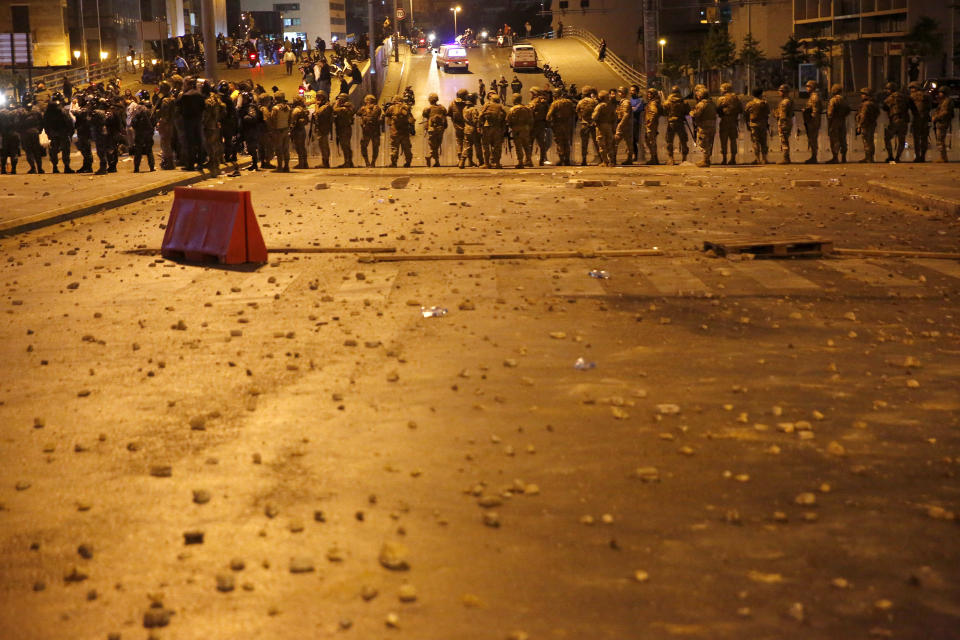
(437, 120)
(281, 116)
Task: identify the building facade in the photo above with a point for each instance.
(306, 19)
(868, 38)
(47, 22)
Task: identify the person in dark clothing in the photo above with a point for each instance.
(142, 122)
(67, 89)
(603, 50)
(10, 137)
(82, 115)
(30, 125)
(191, 108)
(355, 76)
(59, 127)
(251, 123)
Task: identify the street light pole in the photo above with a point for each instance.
(662, 43)
(455, 10)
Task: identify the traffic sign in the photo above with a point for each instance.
(401, 14)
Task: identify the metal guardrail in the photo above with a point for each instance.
(616, 62)
(80, 76)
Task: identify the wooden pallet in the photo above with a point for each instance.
(799, 246)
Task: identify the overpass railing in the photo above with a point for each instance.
(80, 76)
(616, 62)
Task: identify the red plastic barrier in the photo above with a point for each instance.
(208, 224)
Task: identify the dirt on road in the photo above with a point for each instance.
(690, 446)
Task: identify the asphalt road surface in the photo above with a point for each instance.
(762, 449)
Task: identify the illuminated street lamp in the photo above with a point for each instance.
(76, 55)
(104, 55)
(662, 43)
(455, 10)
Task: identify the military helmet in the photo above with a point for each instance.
(651, 92)
(603, 96)
(164, 87)
(321, 94)
(143, 94)
(557, 93)
(473, 97)
(784, 88)
(280, 96)
(369, 99)
(586, 89)
(890, 86)
(462, 94)
(701, 90)
(342, 96)
(914, 85)
(494, 97)
(517, 98)
(726, 87)
(433, 98)
(675, 89)
(810, 83)
(836, 89)
(866, 91)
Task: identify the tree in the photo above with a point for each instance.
(924, 39)
(750, 55)
(792, 55)
(718, 49)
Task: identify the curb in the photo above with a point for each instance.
(937, 203)
(62, 214)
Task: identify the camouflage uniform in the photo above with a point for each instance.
(705, 121)
(493, 119)
(279, 126)
(520, 119)
(587, 128)
(676, 111)
(471, 133)
(812, 113)
(942, 119)
(166, 116)
(729, 108)
(757, 113)
(322, 127)
(866, 120)
(651, 124)
(343, 121)
(922, 106)
(435, 117)
(624, 131)
(455, 111)
(213, 111)
(898, 111)
(299, 118)
(837, 112)
(371, 122)
(265, 103)
(402, 124)
(562, 116)
(605, 118)
(784, 116)
(540, 106)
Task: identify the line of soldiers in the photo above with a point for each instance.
(200, 126)
(915, 112)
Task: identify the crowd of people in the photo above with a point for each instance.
(200, 125)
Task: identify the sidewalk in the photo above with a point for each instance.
(34, 201)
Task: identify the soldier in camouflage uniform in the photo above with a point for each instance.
(279, 126)
(435, 119)
(922, 106)
(265, 103)
(784, 116)
(540, 106)
(812, 114)
(676, 110)
(493, 120)
(729, 108)
(455, 112)
(213, 111)
(562, 117)
(704, 122)
(898, 111)
(299, 119)
(471, 133)
(942, 119)
(322, 126)
(402, 125)
(837, 112)
(866, 120)
(757, 114)
(605, 119)
(587, 127)
(343, 123)
(371, 123)
(651, 124)
(166, 116)
(520, 119)
(624, 131)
